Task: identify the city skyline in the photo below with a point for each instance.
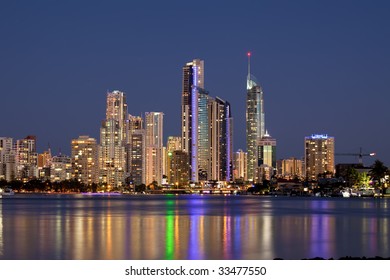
(317, 74)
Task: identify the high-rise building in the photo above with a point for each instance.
(154, 147)
(26, 158)
(255, 123)
(240, 165)
(220, 140)
(193, 81)
(116, 109)
(178, 168)
(290, 168)
(266, 157)
(5, 158)
(134, 123)
(138, 166)
(85, 160)
(174, 143)
(60, 168)
(319, 155)
(44, 164)
(113, 141)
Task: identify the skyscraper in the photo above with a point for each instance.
(26, 158)
(240, 165)
(154, 147)
(138, 174)
(255, 123)
(266, 157)
(193, 80)
(220, 140)
(7, 159)
(85, 160)
(319, 155)
(113, 140)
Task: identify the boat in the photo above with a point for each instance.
(6, 191)
(346, 193)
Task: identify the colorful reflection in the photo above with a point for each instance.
(1, 230)
(191, 227)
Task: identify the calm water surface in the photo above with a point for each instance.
(191, 227)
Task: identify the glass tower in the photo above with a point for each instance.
(255, 126)
(193, 80)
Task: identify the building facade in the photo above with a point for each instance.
(154, 147)
(193, 80)
(138, 151)
(290, 168)
(113, 141)
(319, 155)
(26, 158)
(84, 159)
(7, 159)
(255, 122)
(220, 140)
(266, 158)
(240, 166)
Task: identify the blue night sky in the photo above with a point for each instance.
(323, 65)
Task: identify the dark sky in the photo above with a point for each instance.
(324, 66)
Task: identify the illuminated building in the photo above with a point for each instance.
(220, 140)
(154, 147)
(7, 159)
(266, 157)
(113, 141)
(60, 168)
(134, 123)
(255, 124)
(240, 165)
(44, 159)
(174, 143)
(44, 163)
(137, 174)
(178, 168)
(290, 168)
(319, 155)
(193, 80)
(85, 160)
(206, 128)
(26, 158)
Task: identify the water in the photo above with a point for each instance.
(191, 227)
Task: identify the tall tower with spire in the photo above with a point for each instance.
(255, 124)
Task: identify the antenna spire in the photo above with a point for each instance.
(249, 64)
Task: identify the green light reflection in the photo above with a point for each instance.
(170, 230)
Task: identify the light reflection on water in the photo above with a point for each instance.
(191, 227)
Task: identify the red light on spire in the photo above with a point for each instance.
(249, 53)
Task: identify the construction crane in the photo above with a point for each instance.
(360, 155)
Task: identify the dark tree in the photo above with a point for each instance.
(378, 171)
